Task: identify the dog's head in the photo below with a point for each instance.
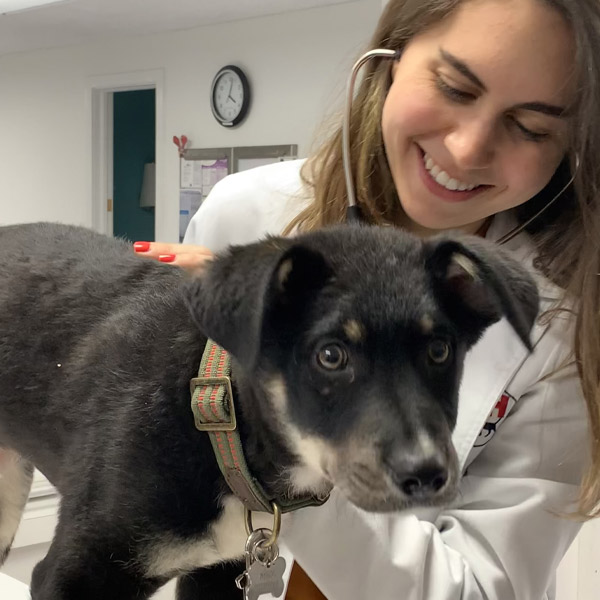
(357, 337)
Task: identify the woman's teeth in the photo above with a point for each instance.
(444, 179)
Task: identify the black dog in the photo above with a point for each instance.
(348, 347)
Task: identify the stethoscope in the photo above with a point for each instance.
(352, 210)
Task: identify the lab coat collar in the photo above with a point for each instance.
(495, 359)
(522, 248)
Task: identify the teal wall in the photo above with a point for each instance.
(133, 139)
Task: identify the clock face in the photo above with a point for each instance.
(230, 96)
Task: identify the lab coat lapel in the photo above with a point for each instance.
(492, 363)
(489, 367)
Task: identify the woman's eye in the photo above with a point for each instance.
(439, 351)
(332, 357)
(457, 95)
(532, 136)
(453, 93)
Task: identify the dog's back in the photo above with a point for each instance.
(64, 292)
(61, 288)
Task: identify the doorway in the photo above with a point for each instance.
(134, 135)
(134, 128)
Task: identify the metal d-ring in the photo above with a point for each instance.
(268, 543)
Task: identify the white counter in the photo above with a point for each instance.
(11, 589)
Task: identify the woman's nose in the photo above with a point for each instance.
(471, 145)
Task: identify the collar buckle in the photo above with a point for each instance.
(218, 412)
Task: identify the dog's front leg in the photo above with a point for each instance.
(214, 583)
(88, 568)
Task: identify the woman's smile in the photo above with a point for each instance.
(442, 184)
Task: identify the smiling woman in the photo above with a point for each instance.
(488, 117)
(500, 97)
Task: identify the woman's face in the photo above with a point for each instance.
(473, 123)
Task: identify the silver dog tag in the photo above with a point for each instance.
(264, 568)
(265, 579)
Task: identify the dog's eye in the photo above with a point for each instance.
(332, 357)
(439, 351)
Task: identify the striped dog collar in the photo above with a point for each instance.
(214, 413)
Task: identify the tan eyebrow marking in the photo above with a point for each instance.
(354, 330)
(426, 323)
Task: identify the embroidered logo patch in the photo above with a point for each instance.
(495, 418)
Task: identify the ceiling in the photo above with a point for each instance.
(73, 22)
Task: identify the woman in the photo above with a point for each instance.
(488, 113)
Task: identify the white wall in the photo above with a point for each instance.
(297, 63)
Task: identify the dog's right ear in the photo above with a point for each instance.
(477, 283)
(230, 301)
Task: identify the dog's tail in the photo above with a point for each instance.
(16, 475)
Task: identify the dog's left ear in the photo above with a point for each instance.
(478, 283)
(249, 285)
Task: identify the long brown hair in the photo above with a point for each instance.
(567, 236)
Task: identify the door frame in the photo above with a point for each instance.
(99, 95)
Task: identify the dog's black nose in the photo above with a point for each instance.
(419, 477)
(424, 481)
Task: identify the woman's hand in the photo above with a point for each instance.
(187, 256)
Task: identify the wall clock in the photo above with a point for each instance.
(230, 96)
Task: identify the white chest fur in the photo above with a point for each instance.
(225, 540)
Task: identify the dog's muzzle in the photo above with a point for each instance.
(402, 477)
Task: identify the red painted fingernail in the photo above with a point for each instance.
(166, 257)
(141, 246)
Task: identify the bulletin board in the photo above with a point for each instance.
(202, 168)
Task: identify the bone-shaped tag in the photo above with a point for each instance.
(263, 579)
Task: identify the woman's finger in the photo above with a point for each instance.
(190, 261)
(186, 256)
(155, 249)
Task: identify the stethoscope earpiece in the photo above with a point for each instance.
(352, 212)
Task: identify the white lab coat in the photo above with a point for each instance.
(500, 540)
